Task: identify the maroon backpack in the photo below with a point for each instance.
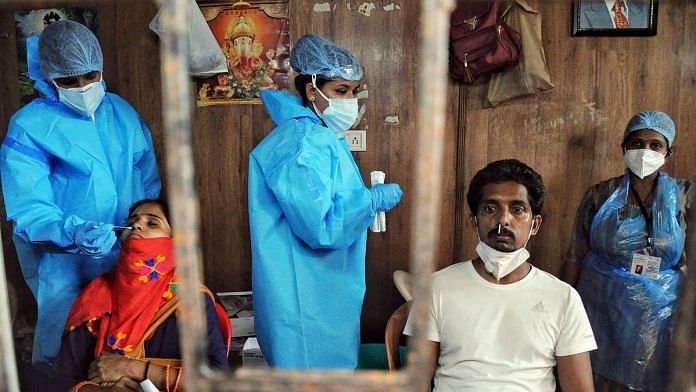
(480, 41)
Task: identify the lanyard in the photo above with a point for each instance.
(644, 211)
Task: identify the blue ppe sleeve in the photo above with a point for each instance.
(148, 167)
(26, 182)
(385, 196)
(310, 195)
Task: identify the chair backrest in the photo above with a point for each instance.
(402, 281)
(225, 326)
(392, 334)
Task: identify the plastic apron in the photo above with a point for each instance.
(631, 315)
(308, 212)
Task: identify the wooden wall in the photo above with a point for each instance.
(570, 134)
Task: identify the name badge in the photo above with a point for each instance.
(646, 265)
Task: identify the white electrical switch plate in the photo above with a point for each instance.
(357, 140)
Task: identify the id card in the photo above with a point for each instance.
(646, 265)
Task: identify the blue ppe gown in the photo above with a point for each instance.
(632, 316)
(309, 211)
(59, 169)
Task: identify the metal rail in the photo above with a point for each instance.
(8, 366)
(177, 106)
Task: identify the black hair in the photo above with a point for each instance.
(160, 202)
(503, 171)
(301, 82)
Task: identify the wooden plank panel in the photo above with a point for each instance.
(9, 90)
(683, 161)
(565, 124)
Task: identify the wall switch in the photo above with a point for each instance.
(357, 140)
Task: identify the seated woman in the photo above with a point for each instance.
(122, 328)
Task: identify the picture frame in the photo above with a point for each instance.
(596, 18)
(254, 36)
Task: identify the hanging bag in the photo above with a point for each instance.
(204, 56)
(530, 75)
(480, 41)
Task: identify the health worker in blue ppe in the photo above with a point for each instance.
(627, 255)
(72, 164)
(309, 211)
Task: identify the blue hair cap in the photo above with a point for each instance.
(67, 49)
(657, 121)
(314, 55)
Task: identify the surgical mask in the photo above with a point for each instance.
(84, 100)
(643, 162)
(500, 264)
(341, 113)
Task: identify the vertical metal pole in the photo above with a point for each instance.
(682, 364)
(177, 107)
(8, 367)
(432, 98)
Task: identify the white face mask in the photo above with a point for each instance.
(341, 113)
(643, 162)
(500, 264)
(84, 100)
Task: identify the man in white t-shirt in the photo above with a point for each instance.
(497, 323)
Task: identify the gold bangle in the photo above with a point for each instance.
(178, 378)
(166, 378)
(82, 384)
(147, 369)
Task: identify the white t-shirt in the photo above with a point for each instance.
(503, 337)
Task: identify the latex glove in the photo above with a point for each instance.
(94, 238)
(385, 196)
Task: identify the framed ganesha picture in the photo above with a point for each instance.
(254, 37)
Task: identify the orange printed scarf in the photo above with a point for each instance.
(118, 306)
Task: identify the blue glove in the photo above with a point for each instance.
(385, 196)
(95, 239)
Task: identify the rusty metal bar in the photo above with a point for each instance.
(8, 368)
(177, 107)
(682, 366)
(432, 100)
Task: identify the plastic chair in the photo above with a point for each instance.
(392, 334)
(402, 281)
(225, 326)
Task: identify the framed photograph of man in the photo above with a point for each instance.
(614, 17)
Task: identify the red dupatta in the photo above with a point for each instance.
(119, 306)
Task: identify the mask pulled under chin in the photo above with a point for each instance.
(500, 264)
(83, 100)
(643, 162)
(341, 113)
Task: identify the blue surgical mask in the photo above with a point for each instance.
(84, 100)
(341, 113)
